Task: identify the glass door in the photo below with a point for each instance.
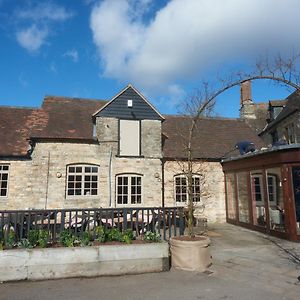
(275, 199)
(296, 191)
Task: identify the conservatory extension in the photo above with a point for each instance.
(263, 191)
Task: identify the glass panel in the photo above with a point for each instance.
(231, 196)
(275, 198)
(296, 186)
(242, 184)
(258, 201)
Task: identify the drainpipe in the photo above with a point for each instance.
(109, 176)
(163, 182)
(47, 181)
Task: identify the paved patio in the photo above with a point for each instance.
(247, 265)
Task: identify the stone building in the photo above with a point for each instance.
(82, 153)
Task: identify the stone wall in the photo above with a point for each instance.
(40, 182)
(212, 205)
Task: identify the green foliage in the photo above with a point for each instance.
(114, 234)
(66, 238)
(100, 234)
(85, 239)
(1, 244)
(33, 237)
(150, 236)
(43, 238)
(24, 243)
(127, 236)
(10, 241)
(38, 238)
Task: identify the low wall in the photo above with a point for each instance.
(52, 263)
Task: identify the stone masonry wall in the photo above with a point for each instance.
(213, 190)
(41, 182)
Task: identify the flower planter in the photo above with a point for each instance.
(51, 263)
(190, 254)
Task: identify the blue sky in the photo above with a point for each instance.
(93, 49)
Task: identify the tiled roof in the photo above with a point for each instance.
(214, 138)
(69, 118)
(16, 125)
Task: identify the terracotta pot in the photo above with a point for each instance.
(190, 254)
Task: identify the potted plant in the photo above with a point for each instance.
(191, 252)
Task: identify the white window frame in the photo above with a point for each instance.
(124, 190)
(274, 181)
(4, 170)
(80, 179)
(183, 189)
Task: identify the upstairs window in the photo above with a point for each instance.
(290, 134)
(4, 172)
(181, 188)
(82, 180)
(129, 139)
(129, 189)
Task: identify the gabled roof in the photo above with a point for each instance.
(214, 138)
(117, 106)
(292, 105)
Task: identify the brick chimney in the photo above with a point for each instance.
(247, 109)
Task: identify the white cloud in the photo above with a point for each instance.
(44, 11)
(73, 54)
(32, 38)
(35, 23)
(187, 37)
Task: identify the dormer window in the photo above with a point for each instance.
(129, 138)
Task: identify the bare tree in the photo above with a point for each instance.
(279, 69)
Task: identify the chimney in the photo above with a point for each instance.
(246, 92)
(248, 108)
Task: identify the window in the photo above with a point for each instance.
(4, 180)
(290, 134)
(181, 188)
(82, 180)
(129, 189)
(129, 138)
(257, 189)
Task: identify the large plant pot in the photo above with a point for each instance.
(190, 254)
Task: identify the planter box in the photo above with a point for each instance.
(52, 263)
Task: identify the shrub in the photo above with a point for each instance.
(127, 236)
(43, 238)
(38, 238)
(66, 238)
(10, 241)
(85, 239)
(24, 243)
(150, 236)
(114, 234)
(100, 234)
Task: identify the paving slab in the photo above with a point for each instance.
(246, 265)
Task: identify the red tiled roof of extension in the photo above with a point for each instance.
(213, 137)
(69, 118)
(16, 125)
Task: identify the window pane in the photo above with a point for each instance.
(230, 196)
(71, 169)
(275, 198)
(87, 169)
(243, 204)
(258, 202)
